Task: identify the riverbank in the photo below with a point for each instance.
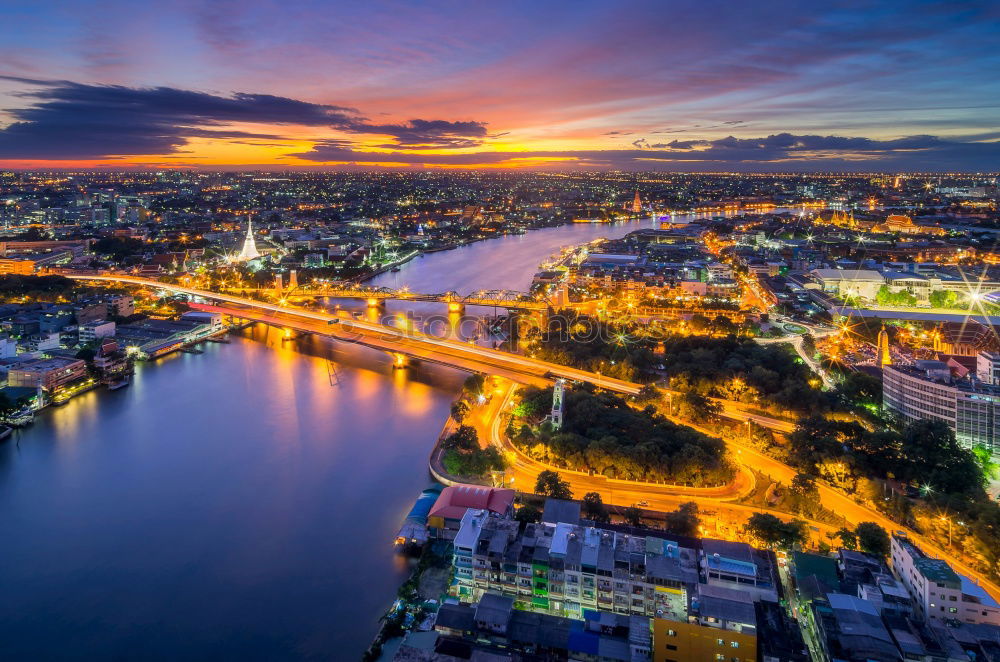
(470, 242)
(91, 383)
(237, 477)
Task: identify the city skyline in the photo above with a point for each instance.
(635, 86)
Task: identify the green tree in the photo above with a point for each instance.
(550, 483)
(804, 494)
(932, 456)
(775, 533)
(848, 539)
(886, 297)
(809, 344)
(699, 323)
(464, 438)
(594, 509)
(984, 458)
(684, 521)
(633, 515)
(872, 539)
(603, 434)
(804, 485)
(696, 407)
(476, 462)
(724, 325)
(459, 410)
(9, 405)
(528, 514)
(859, 388)
(944, 299)
(118, 248)
(648, 394)
(474, 384)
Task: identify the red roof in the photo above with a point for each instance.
(457, 499)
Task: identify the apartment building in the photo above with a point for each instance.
(941, 595)
(563, 568)
(927, 390)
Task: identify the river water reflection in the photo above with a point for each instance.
(238, 504)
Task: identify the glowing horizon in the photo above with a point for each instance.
(631, 85)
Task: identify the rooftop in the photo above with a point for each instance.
(457, 499)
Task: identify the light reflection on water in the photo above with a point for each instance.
(236, 505)
(231, 505)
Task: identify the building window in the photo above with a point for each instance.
(671, 647)
(735, 644)
(671, 633)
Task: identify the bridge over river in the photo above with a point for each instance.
(401, 342)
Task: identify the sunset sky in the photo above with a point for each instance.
(666, 85)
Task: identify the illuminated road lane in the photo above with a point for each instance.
(403, 342)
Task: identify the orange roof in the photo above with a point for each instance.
(457, 499)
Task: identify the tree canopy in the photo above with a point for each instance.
(744, 370)
(773, 532)
(602, 434)
(684, 521)
(550, 483)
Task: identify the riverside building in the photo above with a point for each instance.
(969, 404)
(700, 599)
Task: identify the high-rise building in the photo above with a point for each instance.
(928, 390)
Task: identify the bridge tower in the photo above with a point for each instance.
(278, 285)
(557, 404)
(455, 305)
(293, 279)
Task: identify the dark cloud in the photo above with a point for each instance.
(779, 152)
(67, 120)
(784, 145)
(439, 134)
(64, 120)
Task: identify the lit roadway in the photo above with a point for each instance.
(713, 500)
(523, 470)
(523, 369)
(392, 339)
(419, 345)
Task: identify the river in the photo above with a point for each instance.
(237, 504)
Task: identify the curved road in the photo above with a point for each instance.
(657, 497)
(665, 498)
